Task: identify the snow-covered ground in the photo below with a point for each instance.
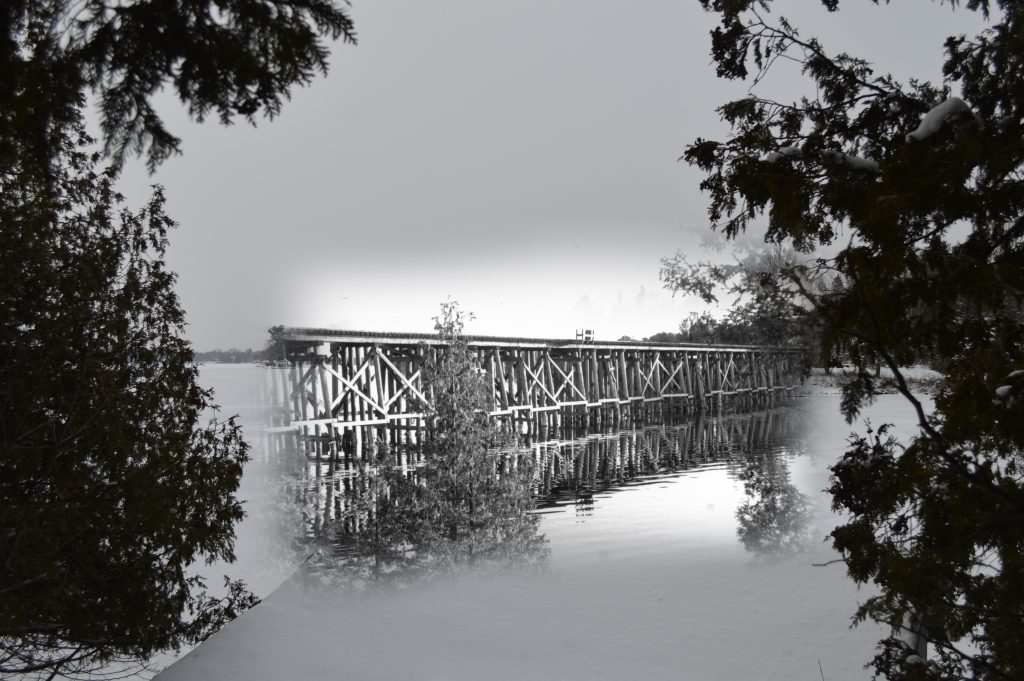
(920, 379)
(697, 616)
(649, 583)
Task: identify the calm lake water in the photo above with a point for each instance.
(664, 487)
(674, 546)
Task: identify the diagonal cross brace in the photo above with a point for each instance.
(406, 382)
(537, 381)
(350, 385)
(568, 380)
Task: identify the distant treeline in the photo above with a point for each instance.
(744, 325)
(232, 356)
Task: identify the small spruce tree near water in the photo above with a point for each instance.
(470, 503)
(925, 184)
(478, 487)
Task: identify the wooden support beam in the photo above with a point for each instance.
(502, 380)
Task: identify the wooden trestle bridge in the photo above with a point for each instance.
(341, 383)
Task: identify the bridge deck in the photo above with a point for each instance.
(312, 335)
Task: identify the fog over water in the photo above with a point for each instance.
(521, 157)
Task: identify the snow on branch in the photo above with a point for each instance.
(790, 151)
(937, 117)
(1005, 393)
(854, 162)
(793, 151)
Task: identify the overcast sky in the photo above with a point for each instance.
(519, 157)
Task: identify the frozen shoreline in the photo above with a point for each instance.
(920, 379)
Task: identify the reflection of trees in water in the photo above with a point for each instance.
(394, 522)
(775, 519)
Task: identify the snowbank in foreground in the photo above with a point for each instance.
(688, 619)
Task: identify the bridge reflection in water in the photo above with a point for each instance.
(341, 496)
(603, 460)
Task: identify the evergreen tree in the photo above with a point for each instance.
(109, 485)
(225, 58)
(926, 181)
(109, 488)
(477, 486)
